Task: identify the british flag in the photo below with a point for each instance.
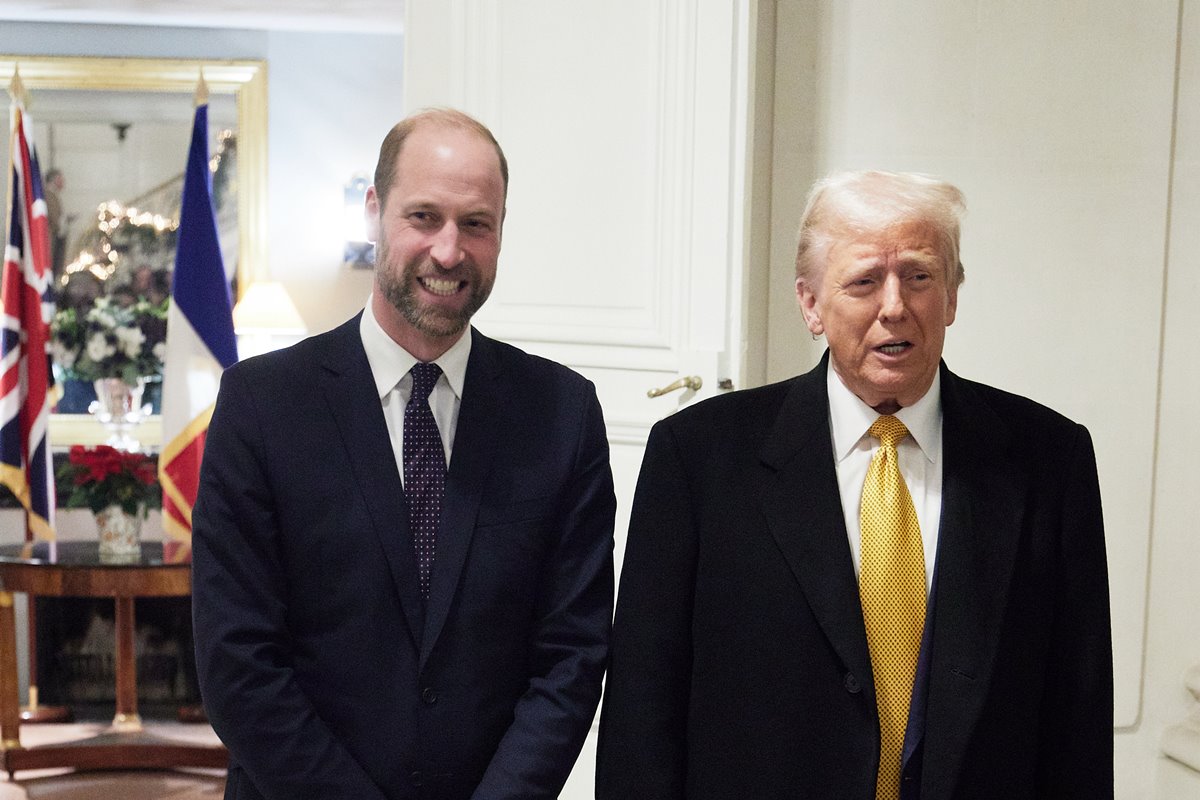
(26, 295)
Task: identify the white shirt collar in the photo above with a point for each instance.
(850, 417)
(390, 362)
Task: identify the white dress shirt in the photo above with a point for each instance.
(920, 460)
(390, 365)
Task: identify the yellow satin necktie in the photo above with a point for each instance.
(892, 589)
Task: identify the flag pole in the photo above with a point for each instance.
(16, 91)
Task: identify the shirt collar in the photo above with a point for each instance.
(850, 417)
(390, 362)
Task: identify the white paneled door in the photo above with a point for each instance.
(625, 124)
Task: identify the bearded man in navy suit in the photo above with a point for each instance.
(748, 659)
(354, 641)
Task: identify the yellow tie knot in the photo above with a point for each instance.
(888, 430)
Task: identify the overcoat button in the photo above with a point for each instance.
(851, 684)
(428, 696)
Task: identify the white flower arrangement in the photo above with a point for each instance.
(111, 340)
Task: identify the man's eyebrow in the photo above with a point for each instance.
(480, 213)
(416, 205)
(921, 255)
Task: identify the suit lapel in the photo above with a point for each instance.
(354, 404)
(804, 512)
(470, 462)
(983, 495)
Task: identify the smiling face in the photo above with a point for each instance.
(883, 302)
(437, 237)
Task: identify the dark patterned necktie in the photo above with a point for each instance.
(424, 471)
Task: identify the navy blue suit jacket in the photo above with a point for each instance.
(321, 668)
(740, 665)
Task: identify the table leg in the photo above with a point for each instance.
(127, 718)
(10, 701)
(34, 711)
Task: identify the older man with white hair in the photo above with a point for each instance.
(877, 579)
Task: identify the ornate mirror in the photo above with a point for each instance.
(147, 111)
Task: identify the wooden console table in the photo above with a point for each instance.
(73, 569)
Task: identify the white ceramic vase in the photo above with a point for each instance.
(120, 534)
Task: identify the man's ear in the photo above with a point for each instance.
(371, 212)
(808, 307)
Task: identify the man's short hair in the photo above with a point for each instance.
(389, 151)
(847, 204)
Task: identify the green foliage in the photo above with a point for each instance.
(111, 340)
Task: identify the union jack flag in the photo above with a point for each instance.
(28, 305)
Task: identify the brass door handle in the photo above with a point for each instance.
(693, 382)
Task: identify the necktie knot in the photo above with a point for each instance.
(424, 377)
(888, 430)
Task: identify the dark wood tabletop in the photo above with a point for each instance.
(75, 569)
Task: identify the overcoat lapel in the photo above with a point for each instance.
(479, 418)
(803, 509)
(354, 405)
(983, 491)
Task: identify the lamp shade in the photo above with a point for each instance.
(267, 308)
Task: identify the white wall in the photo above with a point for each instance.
(1056, 119)
(332, 99)
(1173, 638)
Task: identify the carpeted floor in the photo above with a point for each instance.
(106, 785)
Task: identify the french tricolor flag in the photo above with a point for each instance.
(200, 343)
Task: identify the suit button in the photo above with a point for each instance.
(416, 778)
(851, 684)
(428, 696)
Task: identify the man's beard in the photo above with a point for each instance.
(430, 319)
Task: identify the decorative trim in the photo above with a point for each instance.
(628, 433)
(591, 354)
(69, 429)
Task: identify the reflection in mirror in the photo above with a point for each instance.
(112, 137)
(113, 235)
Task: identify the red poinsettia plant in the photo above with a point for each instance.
(102, 476)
